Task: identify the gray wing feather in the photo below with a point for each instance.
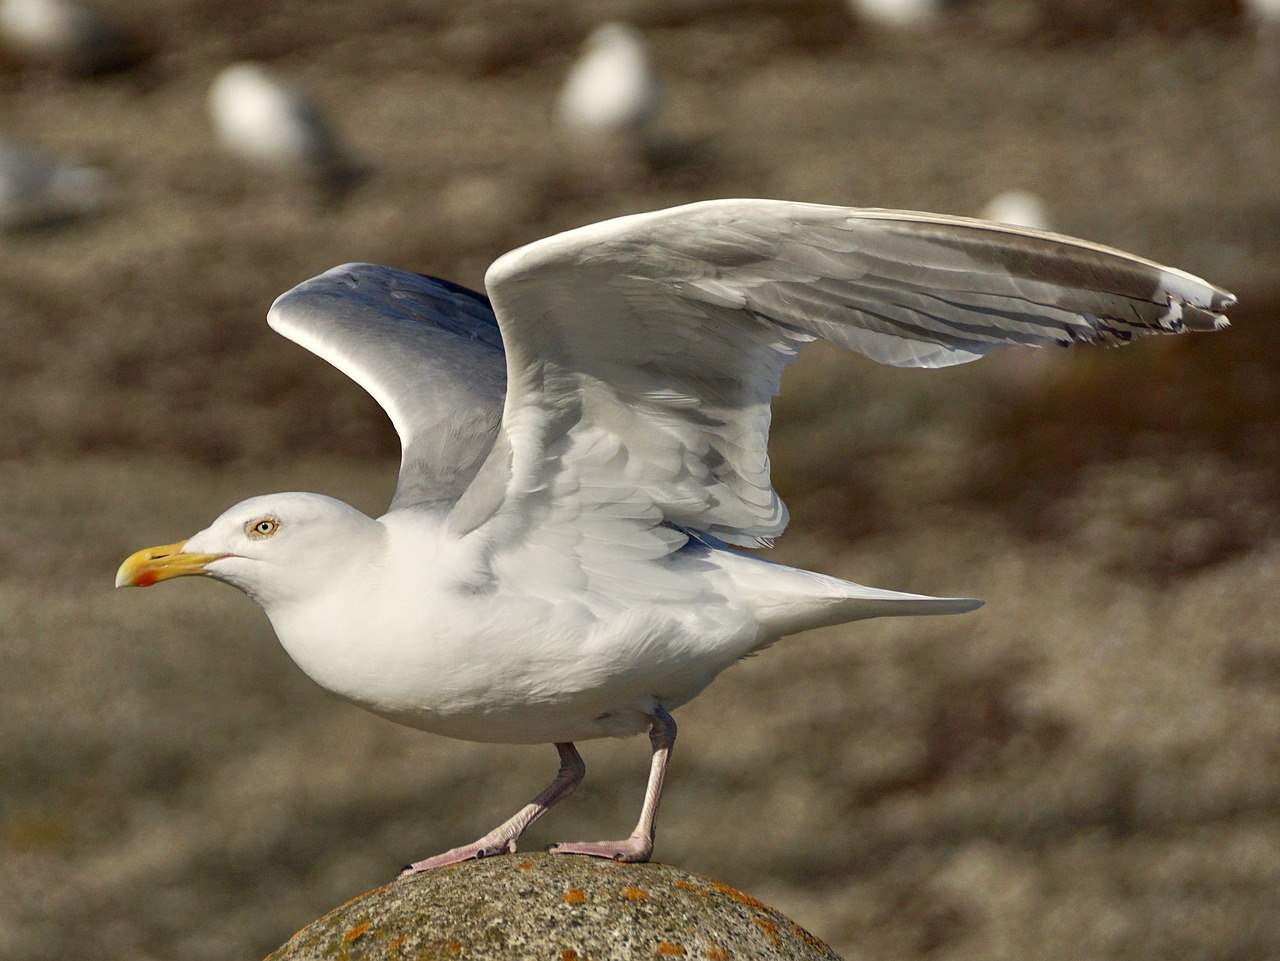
(429, 352)
(912, 289)
(667, 333)
(968, 287)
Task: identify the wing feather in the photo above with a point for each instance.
(643, 352)
(428, 351)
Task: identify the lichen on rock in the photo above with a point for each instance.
(556, 907)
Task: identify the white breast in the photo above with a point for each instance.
(499, 664)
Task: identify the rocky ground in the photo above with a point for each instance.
(1087, 768)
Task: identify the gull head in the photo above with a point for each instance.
(276, 548)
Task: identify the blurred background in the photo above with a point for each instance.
(1087, 768)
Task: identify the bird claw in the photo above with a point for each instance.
(485, 847)
(633, 850)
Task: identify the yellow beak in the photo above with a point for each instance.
(155, 564)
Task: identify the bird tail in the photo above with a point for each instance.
(855, 602)
(788, 600)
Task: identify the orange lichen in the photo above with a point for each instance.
(769, 928)
(746, 899)
(666, 947)
(716, 953)
(397, 941)
(809, 939)
(355, 932)
(524, 865)
(453, 947)
(574, 896)
(690, 886)
(632, 893)
(568, 954)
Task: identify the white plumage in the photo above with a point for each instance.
(613, 88)
(1264, 13)
(73, 37)
(1018, 208)
(274, 124)
(555, 564)
(897, 14)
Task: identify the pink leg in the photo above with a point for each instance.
(502, 839)
(638, 847)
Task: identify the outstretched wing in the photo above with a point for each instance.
(642, 352)
(427, 350)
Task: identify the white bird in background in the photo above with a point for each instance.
(273, 124)
(38, 188)
(582, 454)
(76, 39)
(897, 14)
(1018, 208)
(1265, 14)
(1263, 17)
(613, 90)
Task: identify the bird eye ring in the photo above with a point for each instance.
(262, 527)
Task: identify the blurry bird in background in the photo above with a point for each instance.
(69, 38)
(897, 14)
(1027, 368)
(1263, 17)
(612, 98)
(39, 189)
(1018, 208)
(272, 124)
(613, 88)
(1264, 14)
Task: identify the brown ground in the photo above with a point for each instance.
(1088, 768)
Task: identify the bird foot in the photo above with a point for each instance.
(634, 850)
(486, 847)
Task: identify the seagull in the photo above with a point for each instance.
(897, 14)
(270, 123)
(1019, 208)
(613, 88)
(1265, 14)
(1263, 17)
(584, 460)
(38, 188)
(77, 39)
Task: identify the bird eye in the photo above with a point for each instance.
(262, 527)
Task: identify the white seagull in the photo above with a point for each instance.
(897, 14)
(1018, 208)
(582, 453)
(78, 39)
(613, 89)
(273, 124)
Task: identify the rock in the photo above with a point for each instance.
(556, 907)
